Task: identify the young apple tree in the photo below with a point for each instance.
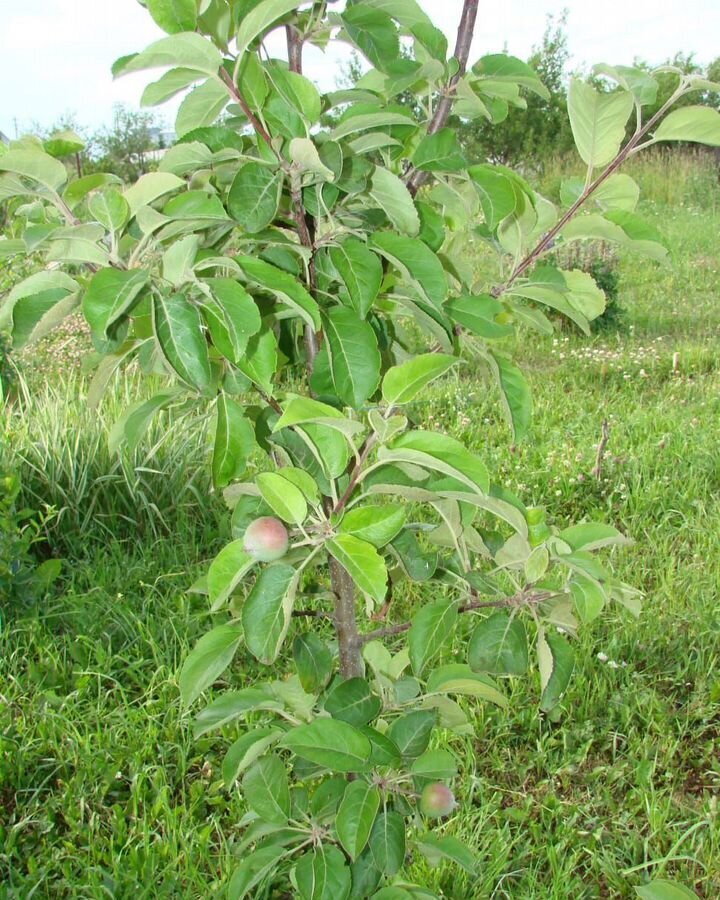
(302, 265)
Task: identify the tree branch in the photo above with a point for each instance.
(257, 125)
(465, 32)
(547, 239)
(520, 599)
(303, 221)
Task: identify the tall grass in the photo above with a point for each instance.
(671, 178)
(59, 446)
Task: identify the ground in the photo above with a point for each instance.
(103, 791)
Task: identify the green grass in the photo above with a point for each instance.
(103, 792)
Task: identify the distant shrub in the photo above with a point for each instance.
(599, 259)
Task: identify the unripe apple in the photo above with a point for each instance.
(437, 800)
(266, 539)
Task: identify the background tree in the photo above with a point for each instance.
(532, 133)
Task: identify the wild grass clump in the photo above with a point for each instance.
(59, 446)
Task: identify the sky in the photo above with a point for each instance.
(55, 55)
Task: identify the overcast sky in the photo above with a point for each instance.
(55, 55)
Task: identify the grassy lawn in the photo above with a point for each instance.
(103, 791)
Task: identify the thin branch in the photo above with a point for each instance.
(356, 472)
(311, 614)
(465, 32)
(520, 599)
(602, 447)
(303, 221)
(257, 125)
(547, 240)
(295, 48)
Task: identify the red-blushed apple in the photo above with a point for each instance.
(266, 539)
(437, 800)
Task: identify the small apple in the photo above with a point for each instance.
(266, 539)
(437, 800)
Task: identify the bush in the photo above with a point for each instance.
(600, 260)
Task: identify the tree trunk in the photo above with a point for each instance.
(349, 645)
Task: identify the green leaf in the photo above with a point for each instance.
(254, 869)
(643, 86)
(302, 410)
(323, 874)
(63, 143)
(110, 209)
(589, 598)
(35, 165)
(78, 190)
(286, 288)
(202, 107)
(457, 678)
(313, 661)
(267, 611)
(304, 154)
(149, 187)
(355, 123)
(361, 273)
(411, 732)
(226, 571)
(499, 645)
(34, 298)
(353, 701)
(431, 627)
(403, 383)
(266, 789)
(391, 195)
(505, 68)
(208, 659)
(330, 743)
(230, 706)
(185, 49)
(387, 842)
(233, 318)
(110, 295)
(439, 152)
(384, 752)
(698, 124)
(259, 19)
(254, 196)
(665, 890)
(170, 84)
(408, 13)
(497, 192)
(178, 328)
(417, 262)
(356, 817)
(374, 33)
(433, 765)
(243, 752)
(556, 661)
(299, 92)
(436, 848)
(377, 525)
(285, 499)
(477, 314)
(135, 421)
(598, 121)
(592, 536)
(174, 15)
(260, 360)
(234, 442)
(354, 356)
(363, 563)
(442, 453)
(515, 393)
